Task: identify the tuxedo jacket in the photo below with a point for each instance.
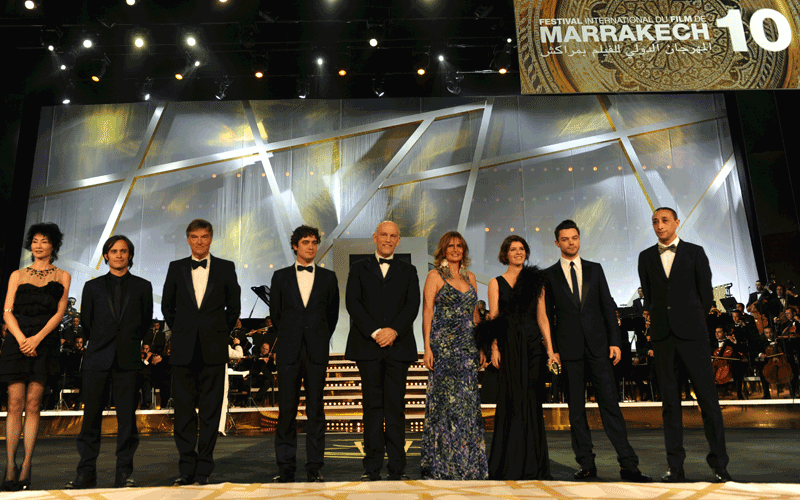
(293, 322)
(591, 323)
(212, 321)
(638, 306)
(681, 302)
(375, 302)
(110, 336)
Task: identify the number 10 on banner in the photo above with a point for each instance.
(733, 22)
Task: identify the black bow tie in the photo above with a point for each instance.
(199, 263)
(662, 249)
(385, 261)
(305, 268)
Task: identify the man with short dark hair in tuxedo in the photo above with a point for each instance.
(201, 303)
(383, 301)
(116, 311)
(304, 307)
(638, 303)
(676, 279)
(586, 335)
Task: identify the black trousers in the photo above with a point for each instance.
(200, 386)
(95, 392)
(602, 376)
(290, 377)
(383, 394)
(696, 356)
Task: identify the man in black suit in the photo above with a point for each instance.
(676, 279)
(383, 301)
(116, 311)
(586, 334)
(304, 307)
(200, 303)
(638, 303)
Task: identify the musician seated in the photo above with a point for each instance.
(743, 331)
(737, 357)
(747, 318)
(261, 374)
(644, 370)
(161, 375)
(144, 383)
(789, 337)
(761, 359)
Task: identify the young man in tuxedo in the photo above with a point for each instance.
(116, 311)
(586, 334)
(201, 303)
(676, 279)
(304, 307)
(383, 301)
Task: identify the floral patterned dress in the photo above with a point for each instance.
(453, 445)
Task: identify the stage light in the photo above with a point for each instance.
(87, 43)
(320, 61)
(421, 71)
(259, 66)
(179, 76)
(377, 86)
(139, 42)
(30, 5)
(196, 64)
(98, 68)
(423, 62)
(453, 83)
(63, 67)
(51, 38)
(441, 57)
(146, 89)
(130, 2)
(223, 88)
(342, 72)
(374, 33)
(303, 91)
(190, 41)
(66, 101)
(502, 71)
(51, 48)
(373, 42)
(259, 74)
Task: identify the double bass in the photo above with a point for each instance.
(760, 318)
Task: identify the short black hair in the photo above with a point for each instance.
(199, 224)
(566, 224)
(300, 233)
(50, 231)
(112, 241)
(672, 210)
(78, 336)
(506, 246)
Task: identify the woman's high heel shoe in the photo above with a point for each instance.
(23, 485)
(11, 484)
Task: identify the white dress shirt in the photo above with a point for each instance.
(668, 257)
(384, 270)
(578, 270)
(305, 281)
(200, 279)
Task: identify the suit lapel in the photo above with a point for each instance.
(656, 257)
(372, 265)
(680, 256)
(186, 269)
(315, 287)
(586, 277)
(559, 272)
(212, 277)
(109, 298)
(295, 285)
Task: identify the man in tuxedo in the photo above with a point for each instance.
(200, 303)
(760, 294)
(383, 301)
(587, 335)
(116, 311)
(638, 303)
(304, 307)
(676, 279)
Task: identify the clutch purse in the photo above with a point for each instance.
(554, 368)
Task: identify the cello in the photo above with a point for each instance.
(722, 364)
(776, 369)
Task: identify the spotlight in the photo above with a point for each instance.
(30, 5)
(51, 38)
(146, 89)
(179, 76)
(139, 42)
(190, 41)
(66, 101)
(98, 68)
(130, 2)
(63, 67)
(503, 58)
(87, 43)
(373, 42)
(453, 83)
(441, 57)
(423, 61)
(342, 72)
(223, 88)
(303, 88)
(320, 61)
(197, 64)
(51, 48)
(259, 65)
(377, 86)
(374, 33)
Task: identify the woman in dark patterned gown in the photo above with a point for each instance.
(518, 337)
(453, 446)
(35, 304)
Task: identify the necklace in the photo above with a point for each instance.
(40, 273)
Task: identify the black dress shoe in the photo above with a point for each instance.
(82, 481)
(674, 475)
(200, 480)
(183, 481)
(315, 476)
(721, 475)
(123, 480)
(584, 474)
(634, 476)
(283, 478)
(398, 476)
(371, 476)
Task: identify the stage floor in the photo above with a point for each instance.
(768, 458)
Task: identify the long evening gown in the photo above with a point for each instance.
(33, 308)
(519, 444)
(453, 445)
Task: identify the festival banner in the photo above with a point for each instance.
(592, 46)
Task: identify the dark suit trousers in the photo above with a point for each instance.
(696, 356)
(290, 377)
(95, 392)
(200, 386)
(383, 394)
(602, 377)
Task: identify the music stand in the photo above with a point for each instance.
(729, 303)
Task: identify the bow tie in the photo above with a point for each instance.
(305, 268)
(662, 249)
(199, 263)
(385, 261)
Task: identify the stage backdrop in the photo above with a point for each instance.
(487, 167)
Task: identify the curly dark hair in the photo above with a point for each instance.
(506, 246)
(301, 232)
(50, 231)
(110, 243)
